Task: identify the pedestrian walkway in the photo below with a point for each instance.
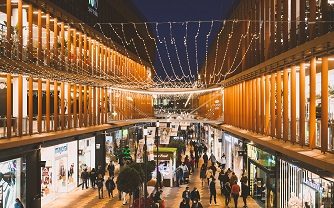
(88, 198)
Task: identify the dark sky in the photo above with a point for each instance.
(181, 11)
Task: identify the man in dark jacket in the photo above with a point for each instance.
(186, 195)
(205, 158)
(213, 191)
(92, 176)
(159, 180)
(244, 192)
(84, 177)
(110, 186)
(99, 183)
(111, 169)
(194, 195)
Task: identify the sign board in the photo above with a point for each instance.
(61, 151)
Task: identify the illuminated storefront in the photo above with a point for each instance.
(86, 155)
(60, 172)
(302, 188)
(12, 182)
(232, 147)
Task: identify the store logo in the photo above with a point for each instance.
(313, 185)
(61, 150)
(93, 6)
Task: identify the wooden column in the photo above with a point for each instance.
(285, 104)
(69, 49)
(267, 105)
(324, 105)
(80, 55)
(62, 45)
(9, 29)
(62, 105)
(9, 106)
(80, 106)
(47, 27)
(312, 135)
(20, 28)
(48, 105)
(102, 105)
(55, 41)
(286, 25)
(279, 105)
(94, 105)
(302, 104)
(98, 107)
(254, 105)
(262, 100)
(31, 105)
(55, 105)
(293, 104)
(40, 106)
(69, 103)
(272, 104)
(258, 105)
(106, 105)
(250, 102)
(30, 32)
(272, 28)
(39, 38)
(20, 105)
(74, 58)
(75, 111)
(90, 99)
(85, 106)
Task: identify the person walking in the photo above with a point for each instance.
(209, 175)
(221, 180)
(203, 174)
(227, 193)
(184, 204)
(92, 177)
(194, 195)
(110, 186)
(213, 191)
(84, 178)
(235, 191)
(213, 158)
(205, 158)
(196, 204)
(186, 195)
(196, 159)
(99, 183)
(111, 169)
(244, 192)
(233, 178)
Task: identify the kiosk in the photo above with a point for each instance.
(167, 164)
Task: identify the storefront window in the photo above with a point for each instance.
(303, 188)
(60, 172)
(231, 147)
(12, 182)
(86, 154)
(331, 103)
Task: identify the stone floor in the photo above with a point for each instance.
(88, 198)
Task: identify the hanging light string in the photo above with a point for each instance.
(206, 49)
(196, 54)
(186, 48)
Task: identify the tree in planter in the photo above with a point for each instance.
(129, 179)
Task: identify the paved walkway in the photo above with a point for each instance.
(173, 196)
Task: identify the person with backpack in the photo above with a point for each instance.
(84, 177)
(205, 158)
(227, 193)
(221, 180)
(111, 169)
(244, 192)
(92, 177)
(110, 186)
(213, 191)
(203, 173)
(194, 195)
(99, 183)
(186, 195)
(235, 191)
(196, 204)
(184, 204)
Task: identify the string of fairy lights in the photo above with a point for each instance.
(178, 70)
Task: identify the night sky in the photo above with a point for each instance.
(171, 37)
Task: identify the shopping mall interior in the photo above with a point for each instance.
(144, 104)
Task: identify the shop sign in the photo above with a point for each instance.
(162, 156)
(93, 6)
(313, 185)
(61, 150)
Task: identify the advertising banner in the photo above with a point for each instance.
(165, 135)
